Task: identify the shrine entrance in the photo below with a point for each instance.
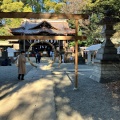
(65, 37)
(42, 41)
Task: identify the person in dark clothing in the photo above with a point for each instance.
(36, 58)
(39, 57)
(5, 62)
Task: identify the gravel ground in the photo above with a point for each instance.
(92, 100)
(8, 78)
(10, 73)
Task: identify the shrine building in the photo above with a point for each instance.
(42, 27)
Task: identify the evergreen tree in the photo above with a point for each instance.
(102, 6)
(106, 7)
(44, 5)
(12, 6)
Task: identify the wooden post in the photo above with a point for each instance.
(59, 53)
(76, 57)
(24, 40)
(24, 45)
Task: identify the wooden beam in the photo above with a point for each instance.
(44, 37)
(42, 15)
(76, 57)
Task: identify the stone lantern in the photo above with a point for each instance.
(107, 67)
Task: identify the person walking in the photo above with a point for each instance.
(36, 57)
(21, 65)
(39, 57)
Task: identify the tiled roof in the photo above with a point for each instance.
(33, 27)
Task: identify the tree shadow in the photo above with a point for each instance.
(92, 100)
(28, 105)
(27, 100)
(8, 79)
(23, 99)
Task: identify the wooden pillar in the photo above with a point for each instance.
(76, 57)
(24, 45)
(24, 41)
(59, 53)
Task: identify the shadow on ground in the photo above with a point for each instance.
(8, 79)
(22, 101)
(92, 100)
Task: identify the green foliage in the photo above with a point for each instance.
(117, 26)
(58, 7)
(49, 5)
(71, 23)
(44, 5)
(27, 8)
(37, 8)
(89, 30)
(7, 1)
(4, 31)
(80, 43)
(13, 23)
(103, 6)
(92, 30)
(52, 5)
(71, 44)
(10, 23)
(11, 6)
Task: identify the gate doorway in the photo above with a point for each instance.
(33, 44)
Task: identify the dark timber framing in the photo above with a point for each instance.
(26, 37)
(42, 15)
(76, 17)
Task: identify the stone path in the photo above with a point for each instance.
(47, 94)
(32, 99)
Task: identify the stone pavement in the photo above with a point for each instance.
(31, 99)
(47, 94)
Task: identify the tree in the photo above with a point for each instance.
(103, 8)
(12, 6)
(36, 5)
(89, 27)
(73, 6)
(25, 6)
(96, 9)
(53, 6)
(44, 5)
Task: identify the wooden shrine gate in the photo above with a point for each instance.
(76, 17)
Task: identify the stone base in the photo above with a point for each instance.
(106, 72)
